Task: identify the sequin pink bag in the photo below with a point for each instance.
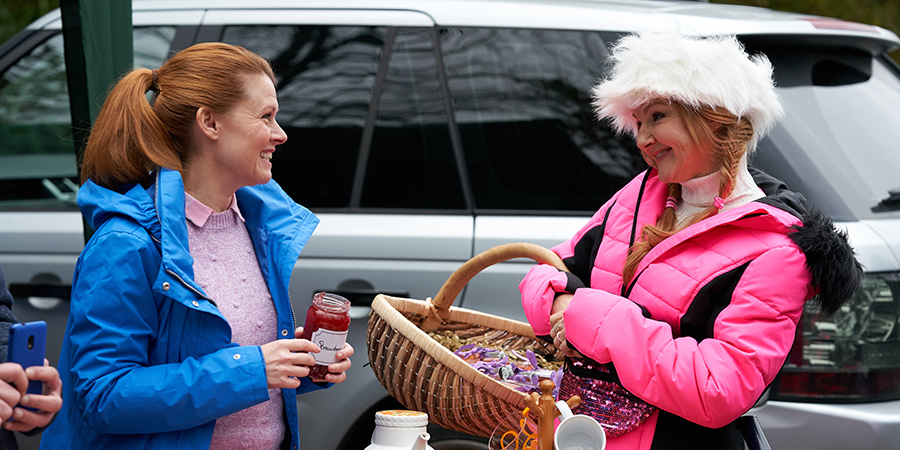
(602, 397)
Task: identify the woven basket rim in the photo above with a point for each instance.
(390, 310)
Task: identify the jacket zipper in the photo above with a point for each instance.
(293, 317)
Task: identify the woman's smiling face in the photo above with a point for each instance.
(249, 134)
(666, 144)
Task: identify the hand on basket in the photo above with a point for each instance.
(558, 333)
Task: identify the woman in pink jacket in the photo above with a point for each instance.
(685, 289)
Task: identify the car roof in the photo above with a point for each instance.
(688, 17)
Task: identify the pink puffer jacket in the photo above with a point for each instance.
(712, 312)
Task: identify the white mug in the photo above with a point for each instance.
(577, 431)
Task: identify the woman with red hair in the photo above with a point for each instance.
(181, 333)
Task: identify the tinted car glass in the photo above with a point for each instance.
(411, 162)
(325, 80)
(37, 157)
(829, 95)
(34, 120)
(522, 102)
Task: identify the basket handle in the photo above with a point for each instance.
(440, 306)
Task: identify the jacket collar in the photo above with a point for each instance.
(168, 197)
(277, 225)
(98, 204)
(836, 274)
(756, 215)
(650, 205)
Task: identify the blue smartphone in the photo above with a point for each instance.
(27, 343)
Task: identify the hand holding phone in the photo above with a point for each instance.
(27, 343)
(13, 382)
(26, 349)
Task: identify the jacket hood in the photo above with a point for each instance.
(836, 274)
(98, 204)
(271, 216)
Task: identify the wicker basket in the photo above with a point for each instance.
(424, 375)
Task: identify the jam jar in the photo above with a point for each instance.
(327, 322)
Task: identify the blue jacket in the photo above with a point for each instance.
(147, 361)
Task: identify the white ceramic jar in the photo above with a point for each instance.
(397, 429)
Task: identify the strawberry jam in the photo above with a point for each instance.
(327, 322)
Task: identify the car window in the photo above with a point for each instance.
(411, 162)
(842, 103)
(522, 104)
(37, 156)
(325, 79)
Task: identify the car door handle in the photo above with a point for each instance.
(24, 290)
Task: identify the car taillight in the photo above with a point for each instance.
(851, 356)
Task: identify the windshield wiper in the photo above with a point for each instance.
(892, 203)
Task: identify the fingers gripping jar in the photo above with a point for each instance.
(327, 322)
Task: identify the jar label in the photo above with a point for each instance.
(330, 342)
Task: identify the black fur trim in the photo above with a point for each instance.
(830, 259)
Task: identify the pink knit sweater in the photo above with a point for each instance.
(226, 268)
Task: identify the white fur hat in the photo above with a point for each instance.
(693, 71)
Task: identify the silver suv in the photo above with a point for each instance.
(424, 132)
